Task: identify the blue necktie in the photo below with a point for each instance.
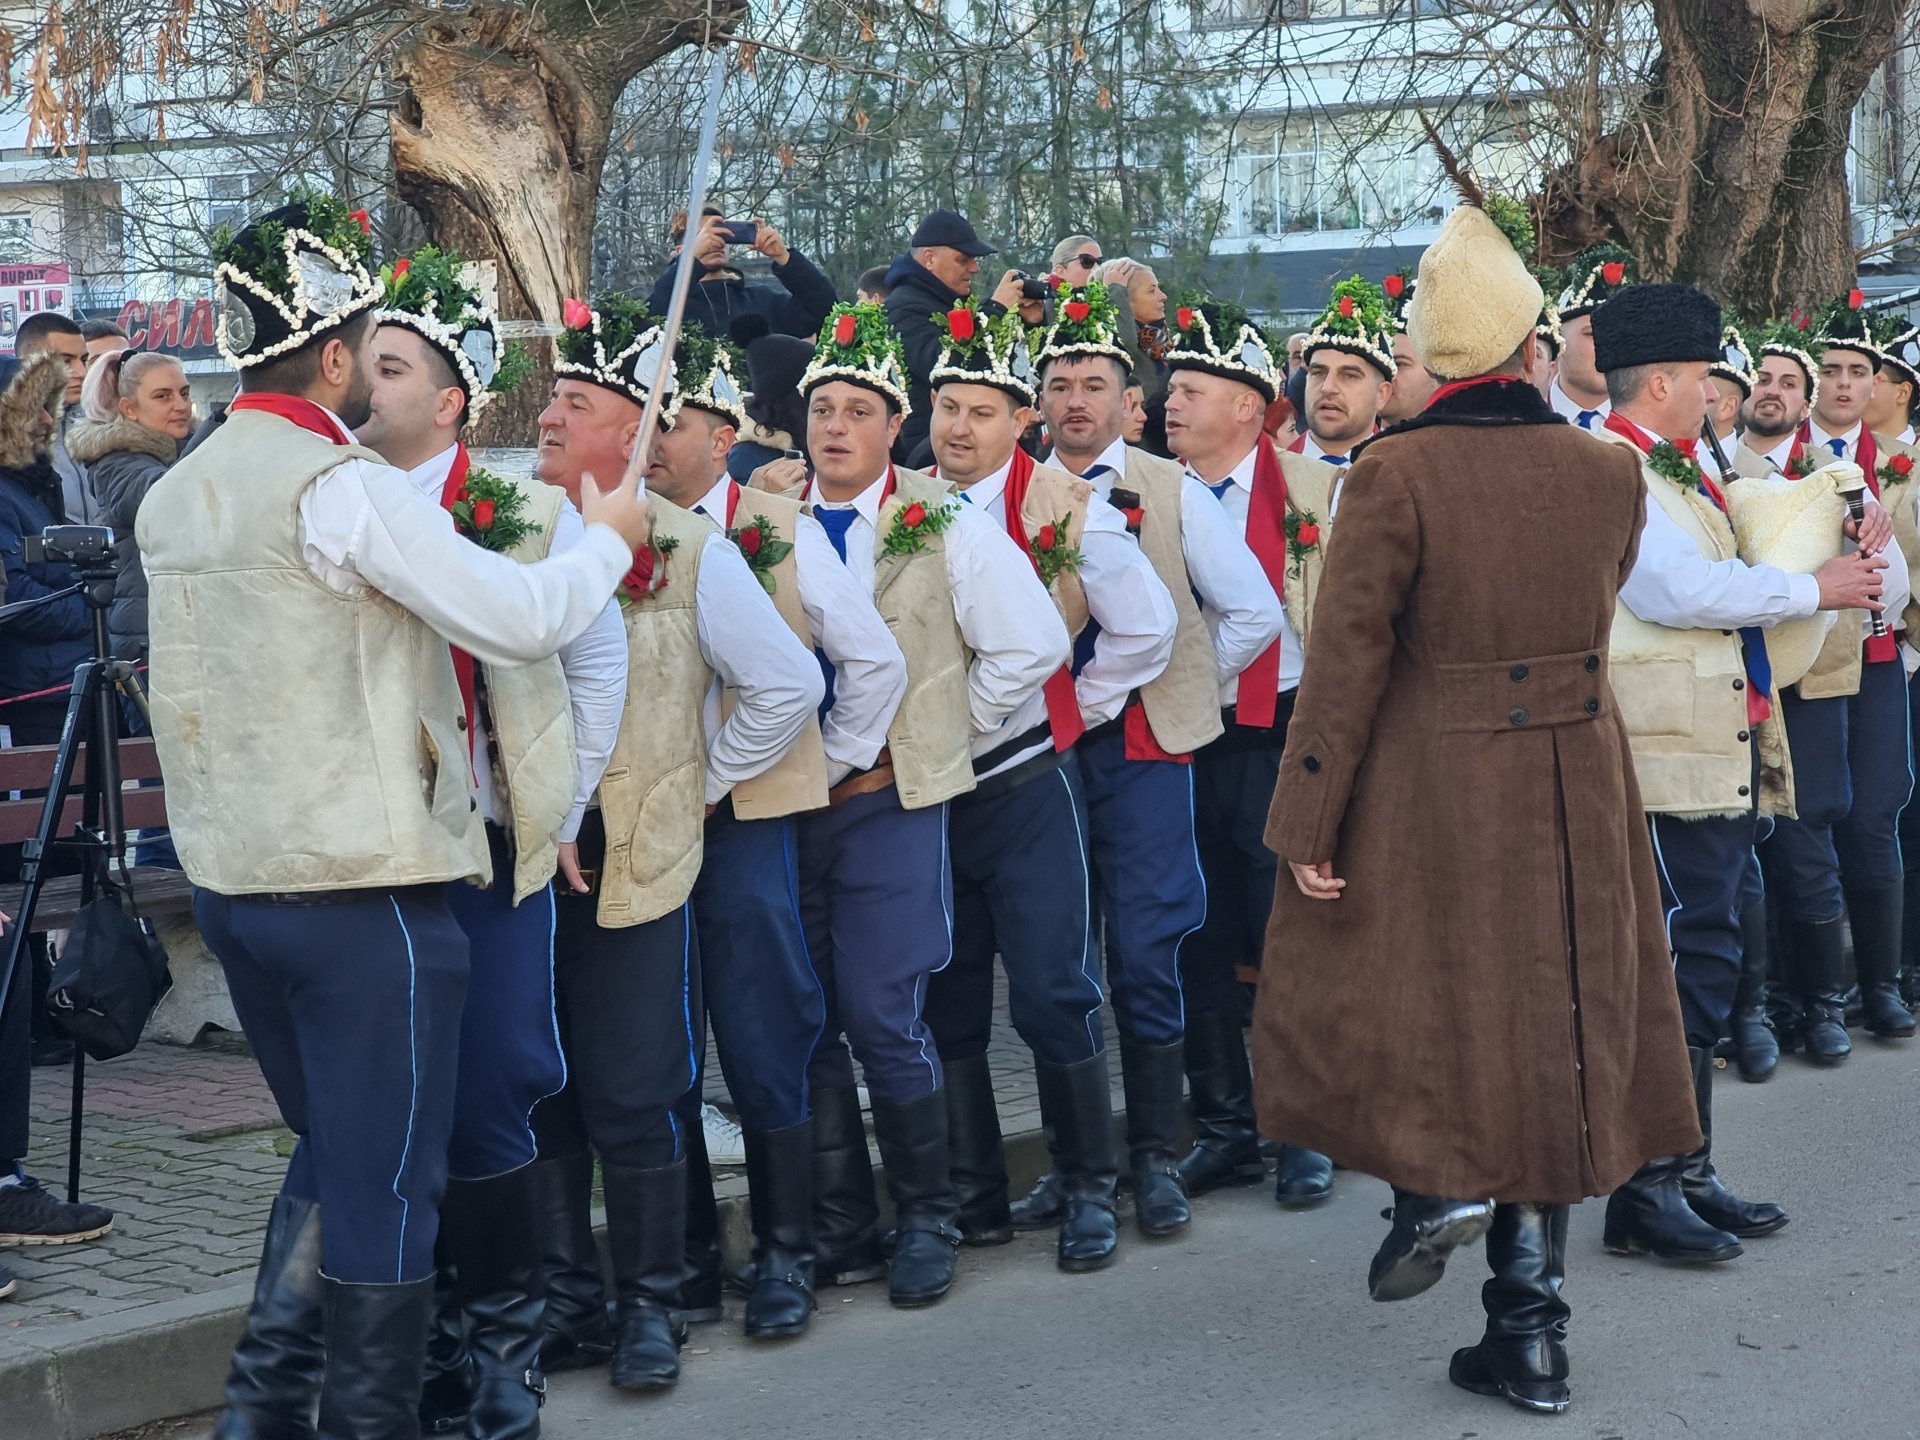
(836, 524)
(1094, 472)
(1839, 447)
(1586, 418)
(1753, 638)
(1336, 459)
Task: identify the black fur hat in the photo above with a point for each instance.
(1655, 325)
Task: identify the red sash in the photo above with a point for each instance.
(733, 501)
(1063, 702)
(463, 667)
(1267, 538)
(296, 408)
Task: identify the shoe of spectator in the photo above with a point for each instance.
(725, 1144)
(30, 1216)
(48, 1052)
(7, 1283)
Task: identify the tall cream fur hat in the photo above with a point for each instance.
(1474, 301)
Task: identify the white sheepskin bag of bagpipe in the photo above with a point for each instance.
(1794, 525)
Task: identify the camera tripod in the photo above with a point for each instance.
(92, 720)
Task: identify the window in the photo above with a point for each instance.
(16, 240)
(1358, 172)
(229, 199)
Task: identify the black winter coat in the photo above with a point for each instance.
(39, 648)
(797, 308)
(914, 296)
(124, 460)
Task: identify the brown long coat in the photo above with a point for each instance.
(1489, 1008)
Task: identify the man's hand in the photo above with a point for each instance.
(770, 244)
(1007, 292)
(1873, 531)
(1852, 582)
(623, 509)
(1316, 882)
(778, 476)
(570, 868)
(1033, 312)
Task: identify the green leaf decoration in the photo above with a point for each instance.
(1515, 222)
(871, 340)
(261, 250)
(621, 319)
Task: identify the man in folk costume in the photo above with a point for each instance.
(284, 559)
(1137, 766)
(981, 638)
(1279, 504)
(1433, 1009)
(1731, 377)
(540, 739)
(762, 996)
(628, 956)
(1579, 390)
(1896, 385)
(1786, 381)
(1692, 608)
(1896, 399)
(1837, 863)
(1413, 383)
(1018, 839)
(1552, 340)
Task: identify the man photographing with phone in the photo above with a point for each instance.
(720, 293)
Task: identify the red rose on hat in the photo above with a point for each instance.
(1184, 317)
(364, 221)
(1855, 299)
(1613, 272)
(400, 268)
(914, 515)
(483, 514)
(844, 327)
(1077, 310)
(576, 314)
(1346, 306)
(960, 323)
(1395, 286)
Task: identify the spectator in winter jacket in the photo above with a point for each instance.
(776, 427)
(872, 289)
(38, 648)
(136, 411)
(720, 295)
(50, 333)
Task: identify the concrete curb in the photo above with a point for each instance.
(92, 1377)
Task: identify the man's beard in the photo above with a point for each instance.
(356, 406)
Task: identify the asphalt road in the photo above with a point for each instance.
(1257, 1323)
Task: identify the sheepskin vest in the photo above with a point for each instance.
(1183, 704)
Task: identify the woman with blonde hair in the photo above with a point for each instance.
(136, 412)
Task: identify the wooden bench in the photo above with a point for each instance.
(198, 998)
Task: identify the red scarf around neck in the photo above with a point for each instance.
(1267, 538)
(296, 408)
(1063, 702)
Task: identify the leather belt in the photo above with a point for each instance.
(1028, 769)
(877, 777)
(334, 897)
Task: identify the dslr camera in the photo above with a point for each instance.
(81, 545)
(1032, 289)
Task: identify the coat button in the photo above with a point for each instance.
(1739, 684)
(1743, 790)
(1517, 674)
(1743, 736)
(1593, 664)
(1517, 715)
(1312, 762)
(1593, 705)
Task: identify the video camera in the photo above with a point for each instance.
(81, 545)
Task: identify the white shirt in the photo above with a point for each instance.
(1896, 581)
(1780, 453)
(870, 673)
(1237, 502)
(1566, 405)
(1242, 612)
(1673, 583)
(1905, 437)
(1004, 613)
(595, 663)
(1125, 598)
(1822, 438)
(366, 526)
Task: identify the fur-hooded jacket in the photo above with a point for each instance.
(40, 647)
(124, 459)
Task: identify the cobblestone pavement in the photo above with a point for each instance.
(187, 1149)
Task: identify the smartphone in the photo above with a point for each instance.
(740, 232)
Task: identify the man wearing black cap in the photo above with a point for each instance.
(933, 276)
(1689, 641)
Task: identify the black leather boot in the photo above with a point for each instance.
(1226, 1145)
(646, 1241)
(780, 1190)
(1523, 1356)
(1755, 1049)
(913, 1146)
(1303, 1179)
(274, 1382)
(1151, 1076)
(577, 1332)
(846, 1216)
(1650, 1215)
(376, 1339)
(1708, 1196)
(1820, 962)
(1426, 1231)
(1077, 1101)
(700, 1283)
(1044, 1206)
(492, 1230)
(1910, 940)
(448, 1389)
(1875, 919)
(979, 1159)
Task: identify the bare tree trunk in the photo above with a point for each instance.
(499, 143)
(1731, 174)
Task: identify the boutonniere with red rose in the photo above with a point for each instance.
(1669, 460)
(1898, 469)
(1302, 529)
(649, 573)
(1051, 552)
(762, 548)
(913, 522)
(1800, 466)
(489, 511)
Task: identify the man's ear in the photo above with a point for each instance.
(628, 438)
(335, 360)
(894, 422)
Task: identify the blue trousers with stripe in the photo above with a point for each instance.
(510, 1056)
(876, 897)
(762, 997)
(353, 1011)
(1020, 890)
(1147, 869)
(1852, 776)
(1708, 878)
(627, 1000)
(1233, 780)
